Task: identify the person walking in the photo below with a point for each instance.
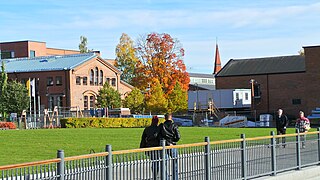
(151, 138)
(281, 124)
(303, 125)
(170, 133)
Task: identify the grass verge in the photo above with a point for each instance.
(17, 146)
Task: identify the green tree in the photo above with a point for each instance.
(134, 101)
(155, 100)
(177, 101)
(126, 58)
(83, 44)
(3, 90)
(108, 97)
(16, 97)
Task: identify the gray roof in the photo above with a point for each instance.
(266, 65)
(46, 63)
(201, 75)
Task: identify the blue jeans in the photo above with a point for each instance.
(173, 154)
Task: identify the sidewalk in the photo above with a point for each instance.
(308, 173)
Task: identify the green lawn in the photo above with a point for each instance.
(18, 146)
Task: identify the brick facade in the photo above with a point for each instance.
(23, 49)
(69, 92)
(290, 91)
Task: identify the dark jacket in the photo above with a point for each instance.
(281, 122)
(150, 137)
(169, 132)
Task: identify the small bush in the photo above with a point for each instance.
(9, 125)
(94, 122)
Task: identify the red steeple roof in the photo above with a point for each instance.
(217, 62)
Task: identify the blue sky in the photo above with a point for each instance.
(244, 28)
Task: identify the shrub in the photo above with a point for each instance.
(9, 125)
(94, 122)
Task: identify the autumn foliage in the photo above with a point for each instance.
(9, 125)
(155, 66)
(161, 59)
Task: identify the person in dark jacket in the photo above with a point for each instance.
(151, 135)
(281, 124)
(151, 138)
(170, 133)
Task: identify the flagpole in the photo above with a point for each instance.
(39, 101)
(34, 102)
(29, 100)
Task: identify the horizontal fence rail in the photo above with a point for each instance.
(244, 158)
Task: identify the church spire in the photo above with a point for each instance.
(217, 62)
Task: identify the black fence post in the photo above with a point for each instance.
(207, 159)
(60, 166)
(163, 160)
(243, 157)
(108, 163)
(318, 145)
(273, 154)
(298, 150)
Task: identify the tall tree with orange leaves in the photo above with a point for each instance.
(161, 58)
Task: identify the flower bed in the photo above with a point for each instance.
(7, 125)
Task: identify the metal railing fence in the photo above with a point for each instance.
(244, 158)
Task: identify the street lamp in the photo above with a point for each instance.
(197, 89)
(252, 81)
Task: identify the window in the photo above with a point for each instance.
(7, 54)
(32, 53)
(113, 83)
(85, 80)
(78, 80)
(237, 96)
(58, 80)
(85, 102)
(96, 76)
(49, 81)
(91, 102)
(24, 81)
(59, 101)
(204, 81)
(91, 77)
(101, 78)
(257, 92)
(296, 101)
(246, 96)
(108, 80)
(51, 102)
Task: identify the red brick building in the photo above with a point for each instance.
(63, 77)
(69, 80)
(19, 49)
(287, 82)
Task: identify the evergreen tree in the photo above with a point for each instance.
(3, 91)
(108, 97)
(16, 97)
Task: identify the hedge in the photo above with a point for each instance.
(9, 125)
(97, 122)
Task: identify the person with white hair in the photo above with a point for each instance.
(281, 124)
